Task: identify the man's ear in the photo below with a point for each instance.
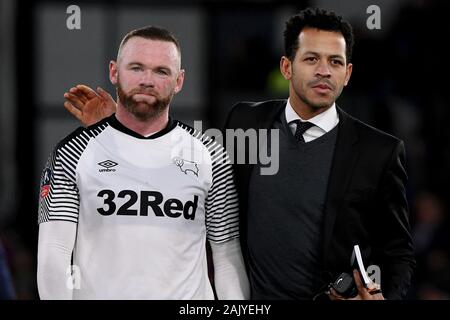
(113, 75)
(286, 67)
(180, 81)
(348, 73)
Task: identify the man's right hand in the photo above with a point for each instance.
(89, 106)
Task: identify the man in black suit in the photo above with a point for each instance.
(339, 182)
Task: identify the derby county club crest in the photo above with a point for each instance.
(186, 166)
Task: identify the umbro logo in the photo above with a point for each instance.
(107, 164)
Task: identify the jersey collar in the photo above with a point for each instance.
(119, 126)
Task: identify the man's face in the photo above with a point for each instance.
(147, 75)
(319, 70)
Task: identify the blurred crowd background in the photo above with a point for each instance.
(231, 52)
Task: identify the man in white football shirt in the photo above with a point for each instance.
(127, 204)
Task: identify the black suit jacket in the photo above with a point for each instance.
(365, 203)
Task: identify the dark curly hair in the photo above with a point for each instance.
(320, 19)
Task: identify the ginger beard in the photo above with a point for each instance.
(143, 110)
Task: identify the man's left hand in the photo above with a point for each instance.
(373, 292)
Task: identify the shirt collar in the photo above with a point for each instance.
(116, 124)
(326, 120)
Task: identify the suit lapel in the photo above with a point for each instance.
(270, 114)
(265, 119)
(344, 159)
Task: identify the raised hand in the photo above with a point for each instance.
(89, 106)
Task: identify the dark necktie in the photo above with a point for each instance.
(301, 128)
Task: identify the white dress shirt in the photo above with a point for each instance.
(323, 122)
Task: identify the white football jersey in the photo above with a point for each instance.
(144, 207)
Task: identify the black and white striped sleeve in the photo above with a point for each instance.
(58, 196)
(222, 207)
